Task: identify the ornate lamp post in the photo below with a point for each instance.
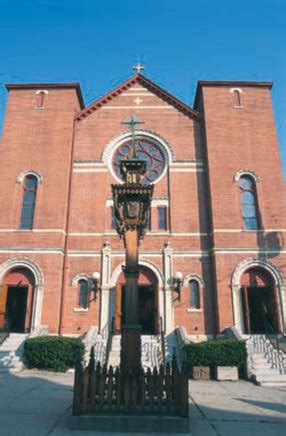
(132, 202)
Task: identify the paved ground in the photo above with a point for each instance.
(37, 403)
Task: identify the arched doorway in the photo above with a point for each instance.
(260, 302)
(147, 301)
(16, 301)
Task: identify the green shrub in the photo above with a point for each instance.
(54, 353)
(217, 353)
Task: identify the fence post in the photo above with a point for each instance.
(184, 390)
(78, 387)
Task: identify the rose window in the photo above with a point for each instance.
(148, 151)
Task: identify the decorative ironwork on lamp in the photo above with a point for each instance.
(132, 199)
(178, 281)
(95, 283)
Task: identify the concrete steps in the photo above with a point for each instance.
(11, 352)
(260, 369)
(149, 351)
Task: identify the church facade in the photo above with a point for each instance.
(214, 253)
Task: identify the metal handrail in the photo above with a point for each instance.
(162, 340)
(104, 331)
(262, 343)
(109, 341)
(279, 355)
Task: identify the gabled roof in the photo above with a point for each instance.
(142, 80)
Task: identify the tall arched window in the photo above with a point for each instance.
(249, 203)
(30, 185)
(194, 294)
(83, 293)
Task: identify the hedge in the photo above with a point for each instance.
(54, 353)
(217, 353)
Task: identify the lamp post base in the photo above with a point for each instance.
(130, 354)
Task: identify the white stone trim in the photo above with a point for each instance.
(90, 170)
(79, 277)
(133, 88)
(80, 309)
(186, 170)
(142, 262)
(25, 173)
(193, 276)
(245, 230)
(246, 250)
(146, 134)
(42, 90)
(246, 172)
(160, 202)
(188, 162)
(135, 94)
(34, 230)
(19, 250)
(235, 89)
(137, 107)
(149, 233)
(31, 265)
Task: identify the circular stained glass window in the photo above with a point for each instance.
(148, 151)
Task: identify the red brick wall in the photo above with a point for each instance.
(39, 140)
(199, 188)
(242, 139)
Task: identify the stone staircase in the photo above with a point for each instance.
(149, 348)
(266, 365)
(11, 352)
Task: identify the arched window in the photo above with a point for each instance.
(237, 97)
(194, 294)
(83, 293)
(30, 185)
(248, 202)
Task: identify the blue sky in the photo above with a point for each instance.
(97, 43)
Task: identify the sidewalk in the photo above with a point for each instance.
(39, 403)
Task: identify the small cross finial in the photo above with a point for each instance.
(138, 67)
(132, 122)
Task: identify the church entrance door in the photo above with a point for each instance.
(259, 302)
(16, 301)
(16, 306)
(147, 301)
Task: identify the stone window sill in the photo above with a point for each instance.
(193, 309)
(80, 309)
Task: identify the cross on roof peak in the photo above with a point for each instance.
(138, 68)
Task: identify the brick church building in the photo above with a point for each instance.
(214, 253)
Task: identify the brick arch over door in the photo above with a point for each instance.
(146, 277)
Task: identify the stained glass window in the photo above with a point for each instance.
(148, 151)
(113, 219)
(29, 202)
(194, 294)
(248, 203)
(162, 218)
(83, 294)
